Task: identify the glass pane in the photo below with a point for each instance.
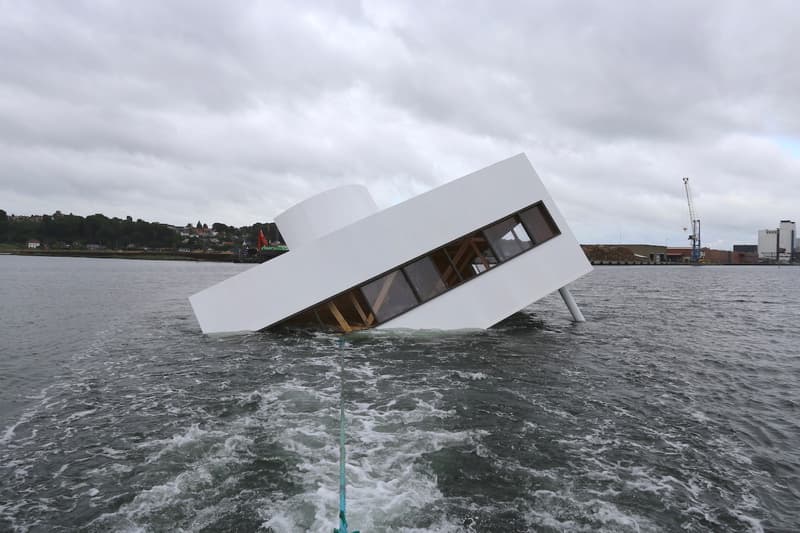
(471, 255)
(484, 256)
(458, 253)
(426, 278)
(539, 223)
(508, 238)
(390, 295)
(445, 267)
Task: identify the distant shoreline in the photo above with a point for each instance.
(218, 257)
(607, 263)
(228, 257)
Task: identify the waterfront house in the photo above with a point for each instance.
(466, 254)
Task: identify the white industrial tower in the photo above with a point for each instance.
(778, 245)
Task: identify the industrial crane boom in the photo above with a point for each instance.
(694, 224)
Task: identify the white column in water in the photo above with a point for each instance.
(571, 305)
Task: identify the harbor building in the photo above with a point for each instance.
(778, 245)
(744, 254)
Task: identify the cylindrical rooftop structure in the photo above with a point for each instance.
(324, 213)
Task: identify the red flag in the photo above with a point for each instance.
(262, 241)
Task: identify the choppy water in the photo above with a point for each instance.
(676, 407)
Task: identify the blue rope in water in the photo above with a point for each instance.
(342, 454)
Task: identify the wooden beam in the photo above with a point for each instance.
(479, 254)
(360, 310)
(455, 259)
(465, 258)
(339, 317)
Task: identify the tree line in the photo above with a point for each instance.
(66, 231)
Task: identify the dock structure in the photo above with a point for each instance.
(464, 255)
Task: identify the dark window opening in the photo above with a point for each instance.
(447, 270)
(347, 312)
(307, 318)
(470, 256)
(426, 277)
(539, 223)
(508, 238)
(350, 310)
(389, 295)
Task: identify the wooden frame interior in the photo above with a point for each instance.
(351, 310)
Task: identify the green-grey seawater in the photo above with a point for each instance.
(676, 407)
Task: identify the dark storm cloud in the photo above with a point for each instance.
(176, 111)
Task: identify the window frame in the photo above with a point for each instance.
(549, 220)
(520, 223)
(442, 248)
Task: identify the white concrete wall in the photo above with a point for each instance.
(769, 240)
(324, 213)
(292, 282)
(767, 243)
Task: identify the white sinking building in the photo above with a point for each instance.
(466, 254)
(779, 245)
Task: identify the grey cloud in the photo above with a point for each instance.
(232, 112)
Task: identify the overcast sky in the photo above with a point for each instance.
(178, 111)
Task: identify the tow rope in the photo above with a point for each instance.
(342, 454)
